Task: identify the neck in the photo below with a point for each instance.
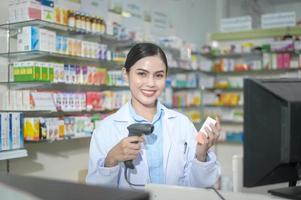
(147, 112)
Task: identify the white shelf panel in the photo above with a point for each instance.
(11, 154)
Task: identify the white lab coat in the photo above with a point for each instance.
(179, 162)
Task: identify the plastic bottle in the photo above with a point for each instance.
(71, 18)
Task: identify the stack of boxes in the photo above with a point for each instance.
(22, 10)
(11, 131)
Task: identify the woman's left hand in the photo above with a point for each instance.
(201, 149)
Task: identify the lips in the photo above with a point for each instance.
(148, 93)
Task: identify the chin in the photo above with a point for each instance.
(148, 101)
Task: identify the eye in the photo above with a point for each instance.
(143, 74)
(161, 75)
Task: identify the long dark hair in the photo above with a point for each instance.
(141, 50)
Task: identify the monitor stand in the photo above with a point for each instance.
(292, 192)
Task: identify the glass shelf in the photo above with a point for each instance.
(175, 70)
(229, 55)
(112, 40)
(62, 86)
(186, 88)
(186, 107)
(225, 89)
(174, 51)
(234, 122)
(49, 113)
(11, 154)
(66, 138)
(250, 72)
(223, 106)
(40, 55)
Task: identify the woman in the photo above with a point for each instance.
(170, 155)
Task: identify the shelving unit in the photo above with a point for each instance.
(12, 154)
(218, 57)
(58, 86)
(11, 54)
(66, 30)
(44, 55)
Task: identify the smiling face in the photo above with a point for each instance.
(146, 80)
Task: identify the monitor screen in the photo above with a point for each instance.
(272, 128)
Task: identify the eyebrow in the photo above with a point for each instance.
(140, 69)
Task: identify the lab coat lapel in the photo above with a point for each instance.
(168, 129)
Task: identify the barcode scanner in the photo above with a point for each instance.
(137, 129)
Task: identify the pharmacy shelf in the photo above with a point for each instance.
(62, 86)
(222, 106)
(49, 113)
(230, 89)
(71, 31)
(252, 72)
(174, 51)
(58, 57)
(233, 122)
(178, 88)
(176, 70)
(66, 138)
(256, 34)
(11, 154)
(186, 107)
(229, 55)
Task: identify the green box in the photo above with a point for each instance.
(26, 71)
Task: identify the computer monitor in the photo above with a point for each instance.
(46, 189)
(272, 133)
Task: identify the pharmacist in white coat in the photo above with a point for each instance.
(171, 154)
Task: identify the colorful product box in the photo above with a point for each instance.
(4, 132)
(266, 61)
(100, 76)
(50, 71)
(24, 10)
(16, 130)
(26, 71)
(31, 129)
(44, 71)
(28, 39)
(94, 101)
(284, 45)
(47, 13)
(33, 38)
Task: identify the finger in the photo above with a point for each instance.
(208, 131)
(133, 152)
(134, 139)
(218, 123)
(142, 138)
(135, 146)
(130, 157)
(205, 138)
(213, 128)
(200, 137)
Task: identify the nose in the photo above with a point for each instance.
(151, 81)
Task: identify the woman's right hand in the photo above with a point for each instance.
(127, 149)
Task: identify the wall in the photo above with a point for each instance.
(255, 8)
(65, 159)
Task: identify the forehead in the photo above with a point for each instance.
(150, 63)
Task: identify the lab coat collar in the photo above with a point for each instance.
(122, 115)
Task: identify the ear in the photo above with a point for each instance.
(125, 74)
